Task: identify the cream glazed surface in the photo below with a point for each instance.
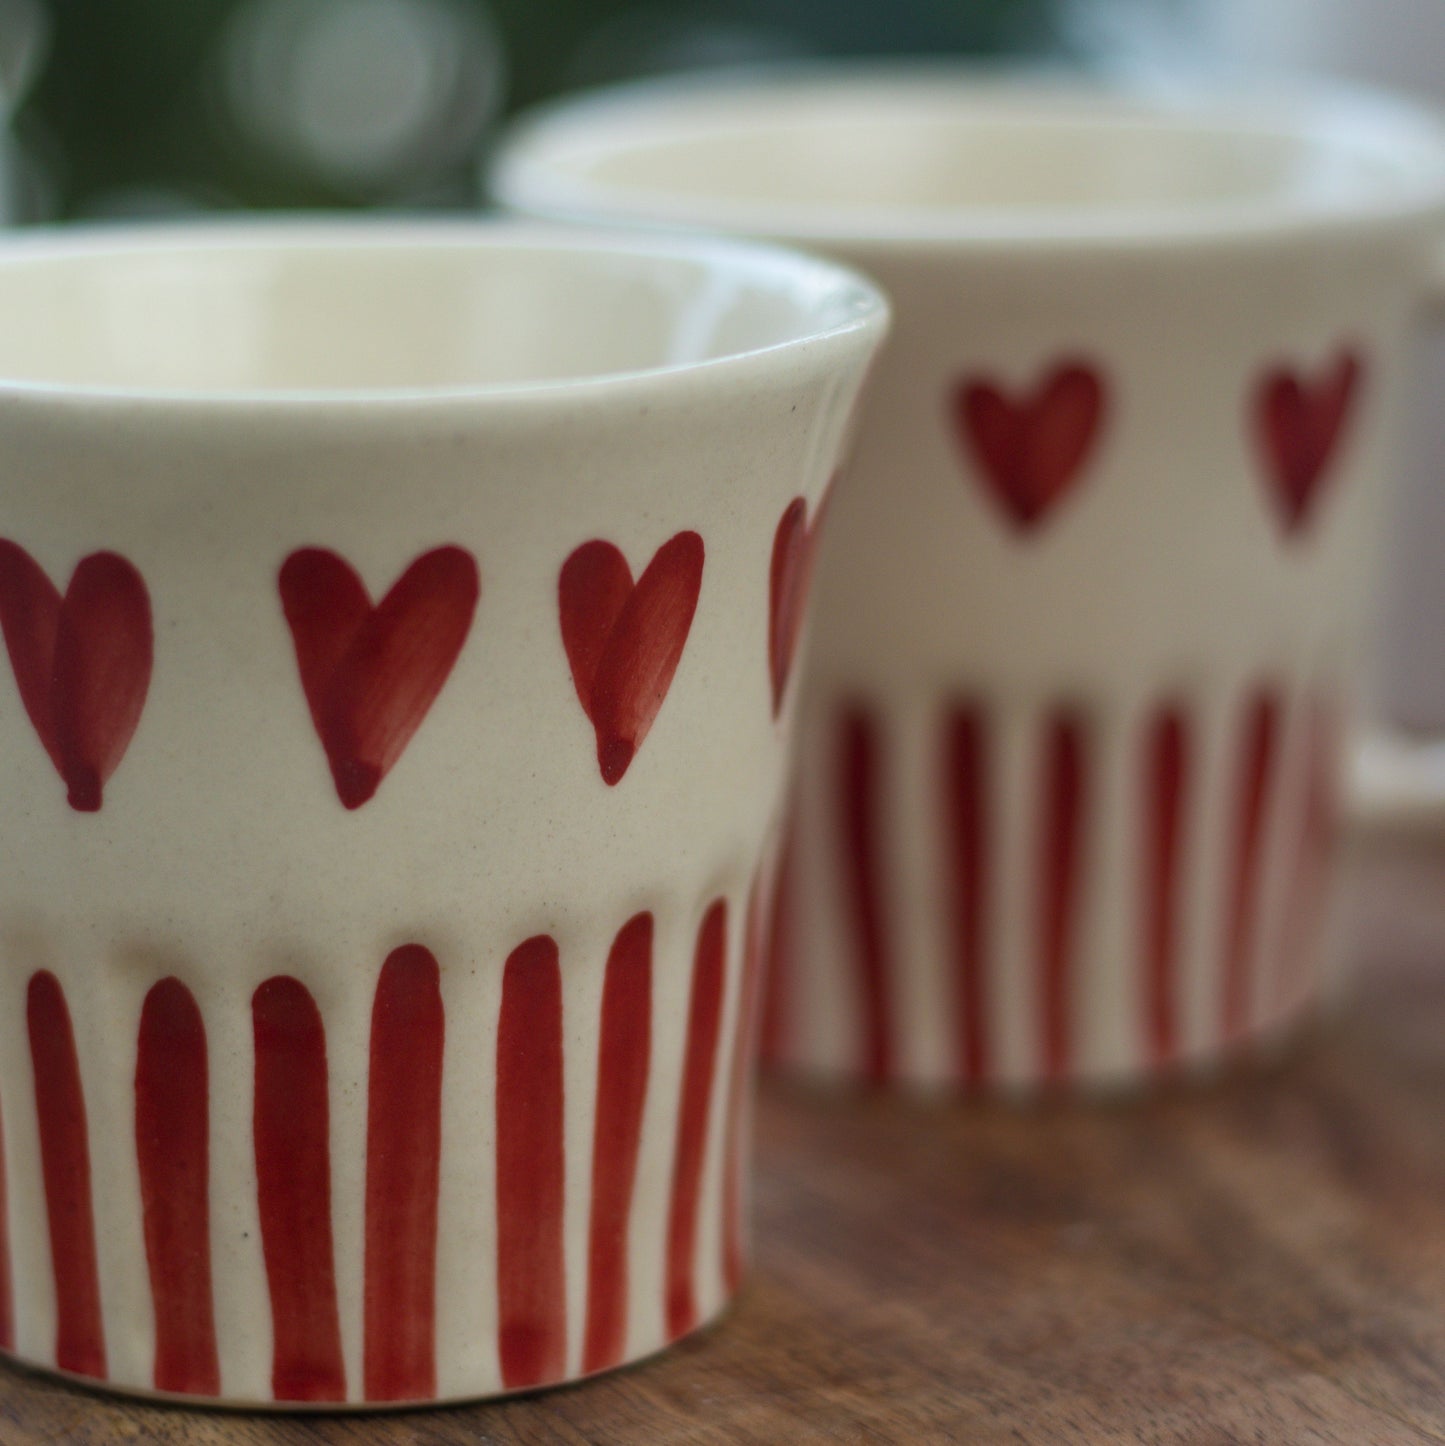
(392, 761)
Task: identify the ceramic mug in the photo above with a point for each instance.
(1092, 596)
(390, 761)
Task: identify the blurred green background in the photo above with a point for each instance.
(144, 107)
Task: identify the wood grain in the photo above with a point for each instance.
(1261, 1260)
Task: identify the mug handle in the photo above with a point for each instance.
(1396, 780)
(1435, 287)
(1396, 783)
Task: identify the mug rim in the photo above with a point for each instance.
(838, 307)
(527, 174)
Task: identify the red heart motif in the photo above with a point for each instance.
(82, 663)
(795, 546)
(624, 640)
(1299, 423)
(370, 674)
(1032, 449)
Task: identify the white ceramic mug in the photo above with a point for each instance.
(389, 761)
(1092, 596)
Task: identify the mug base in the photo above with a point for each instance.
(122, 1391)
(1271, 1047)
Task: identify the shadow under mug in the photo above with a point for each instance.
(390, 763)
(1093, 593)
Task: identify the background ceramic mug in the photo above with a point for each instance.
(389, 761)
(1092, 596)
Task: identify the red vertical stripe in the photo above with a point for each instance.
(780, 961)
(1061, 848)
(1314, 861)
(403, 1162)
(65, 1164)
(735, 1147)
(531, 1283)
(1166, 784)
(291, 1124)
(704, 1016)
(1259, 744)
(172, 1141)
(861, 789)
(966, 806)
(7, 1291)
(624, 1057)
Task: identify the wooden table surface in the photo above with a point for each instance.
(1261, 1260)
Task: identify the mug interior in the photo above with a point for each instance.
(283, 310)
(922, 151)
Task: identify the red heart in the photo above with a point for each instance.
(371, 673)
(1031, 450)
(82, 663)
(795, 546)
(1299, 424)
(624, 640)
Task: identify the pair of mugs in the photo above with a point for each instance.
(405, 624)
